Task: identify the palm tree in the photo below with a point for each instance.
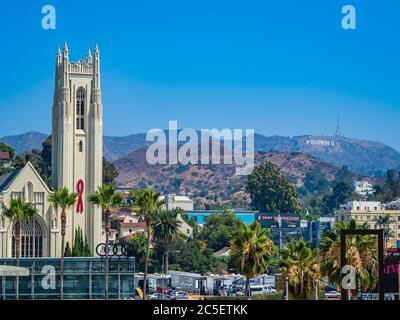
(384, 223)
(361, 254)
(63, 199)
(106, 197)
(252, 250)
(18, 211)
(300, 264)
(166, 228)
(146, 203)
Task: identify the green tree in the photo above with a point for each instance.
(252, 250)
(106, 197)
(110, 173)
(81, 246)
(193, 256)
(270, 191)
(166, 228)
(68, 250)
(384, 223)
(342, 192)
(18, 211)
(63, 199)
(146, 203)
(46, 156)
(218, 229)
(138, 249)
(300, 264)
(361, 253)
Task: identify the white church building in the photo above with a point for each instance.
(76, 164)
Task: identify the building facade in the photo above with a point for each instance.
(367, 212)
(77, 140)
(76, 164)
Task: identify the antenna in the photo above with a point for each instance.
(337, 133)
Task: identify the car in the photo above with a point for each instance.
(269, 290)
(332, 295)
(160, 296)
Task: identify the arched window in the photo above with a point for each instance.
(31, 240)
(80, 110)
(28, 192)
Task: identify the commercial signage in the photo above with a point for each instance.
(278, 220)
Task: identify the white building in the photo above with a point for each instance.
(363, 188)
(174, 202)
(76, 164)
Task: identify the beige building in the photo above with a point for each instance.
(367, 212)
(40, 236)
(76, 164)
(77, 146)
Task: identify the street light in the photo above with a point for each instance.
(287, 287)
(165, 272)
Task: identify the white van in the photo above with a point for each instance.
(256, 289)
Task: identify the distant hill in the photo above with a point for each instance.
(25, 142)
(362, 156)
(212, 183)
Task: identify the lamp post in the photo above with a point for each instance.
(316, 290)
(165, 272)
(287, 287)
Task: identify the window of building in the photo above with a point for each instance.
(31, 240)
(358, 208)
(80, 146)
(80, 110)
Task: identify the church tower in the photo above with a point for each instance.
(77, 140)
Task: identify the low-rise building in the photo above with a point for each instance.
(5, 159)
(174, 202)
(368, 212)
(363, 187)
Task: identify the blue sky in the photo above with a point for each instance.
(281, 67)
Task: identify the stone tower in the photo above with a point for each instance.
(77, 140)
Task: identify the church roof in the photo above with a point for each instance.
(7, 179)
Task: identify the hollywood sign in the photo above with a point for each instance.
(317, 142)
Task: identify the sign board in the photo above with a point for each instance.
(278, 220)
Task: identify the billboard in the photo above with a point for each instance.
(278, 220)
(391, 271)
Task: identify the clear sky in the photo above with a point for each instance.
(281, 67)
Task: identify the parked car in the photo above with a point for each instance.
(160, 296)
(269, 290)
(332, 295)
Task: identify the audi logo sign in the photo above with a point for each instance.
(114, 250)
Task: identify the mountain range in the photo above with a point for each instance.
(361, 156)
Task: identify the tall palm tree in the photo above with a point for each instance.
(384, 223)
(252, 250)
(63, 199)
(361, 254)
(18, 211)
(146, 203)
(166, 228)
(300, 264)
(106, 197)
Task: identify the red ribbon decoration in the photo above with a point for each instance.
(80, 187)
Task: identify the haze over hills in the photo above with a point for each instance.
(362, 156)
